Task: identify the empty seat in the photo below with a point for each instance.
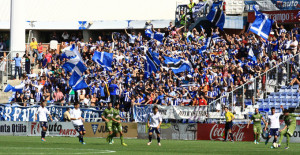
(289, 95)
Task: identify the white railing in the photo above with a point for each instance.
(267, 82)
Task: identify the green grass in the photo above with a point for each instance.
(68, 145)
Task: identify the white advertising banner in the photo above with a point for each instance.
(13, 128)
(54, 129)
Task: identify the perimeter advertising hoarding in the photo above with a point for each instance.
(97, 129)
(286, 16)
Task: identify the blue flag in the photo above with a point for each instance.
(183, 67)
(156, 35)
(71, 52)
(169, 60)
(77, 68)
(8, 88)
(216, 17)
(104, 59)
(149, 33)
(151, 66)
(262, 25)
(80, 84)
(159, 36)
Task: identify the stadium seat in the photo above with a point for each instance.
(289, 95)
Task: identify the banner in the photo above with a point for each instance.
(98, 129)
(13, 128)
(287, 16)
(217, 132)
(195, 113)
(278, 4)
(19, 113)
(54, 129)
(171, 131)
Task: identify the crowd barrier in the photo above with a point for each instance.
(20, 113)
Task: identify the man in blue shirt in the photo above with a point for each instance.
(18, 65)
(113, 91)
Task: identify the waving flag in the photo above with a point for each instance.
(251, 55)
(8, 88)
(149, 33)
(18, 88)
(80, 84)
(198, 8)
(169, 60)
(104, 59)
(71, 52)
(189, 36)
(156, 35)
(159, 36)
(77, 68)
(177, 65)
(262, 25)
(217, 17)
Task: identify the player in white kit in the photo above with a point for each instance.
(274, 125)
(43, 112)
(77, 121)
(154, 122)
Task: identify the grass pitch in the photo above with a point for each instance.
(68, 145)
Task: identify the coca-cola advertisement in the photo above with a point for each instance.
(217, 132)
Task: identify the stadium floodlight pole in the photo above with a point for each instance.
(17, 26)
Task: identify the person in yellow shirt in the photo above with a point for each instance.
(34, 46)
(228, 126)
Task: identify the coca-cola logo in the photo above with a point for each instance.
(217, 132)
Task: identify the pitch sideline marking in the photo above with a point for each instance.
(96, 150)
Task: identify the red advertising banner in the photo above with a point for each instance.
(217, 132)
(287, 16)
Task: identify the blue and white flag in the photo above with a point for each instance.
(8, 88)
(216, 17)
(151, 66)
(177, 65)
(153, 62)
(18, 88)
(189, 36)
(182, 68)
(159, 36)
(169, 60)
(198, 8)
(262, 25)
(80, 84)
(149, 33)
(104, 59)
(82, 25)
(251, 55)
(71, 52)
(76, 67)
(156, 35)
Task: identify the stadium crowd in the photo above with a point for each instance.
(216, 70)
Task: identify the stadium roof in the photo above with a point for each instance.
(92, 10)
